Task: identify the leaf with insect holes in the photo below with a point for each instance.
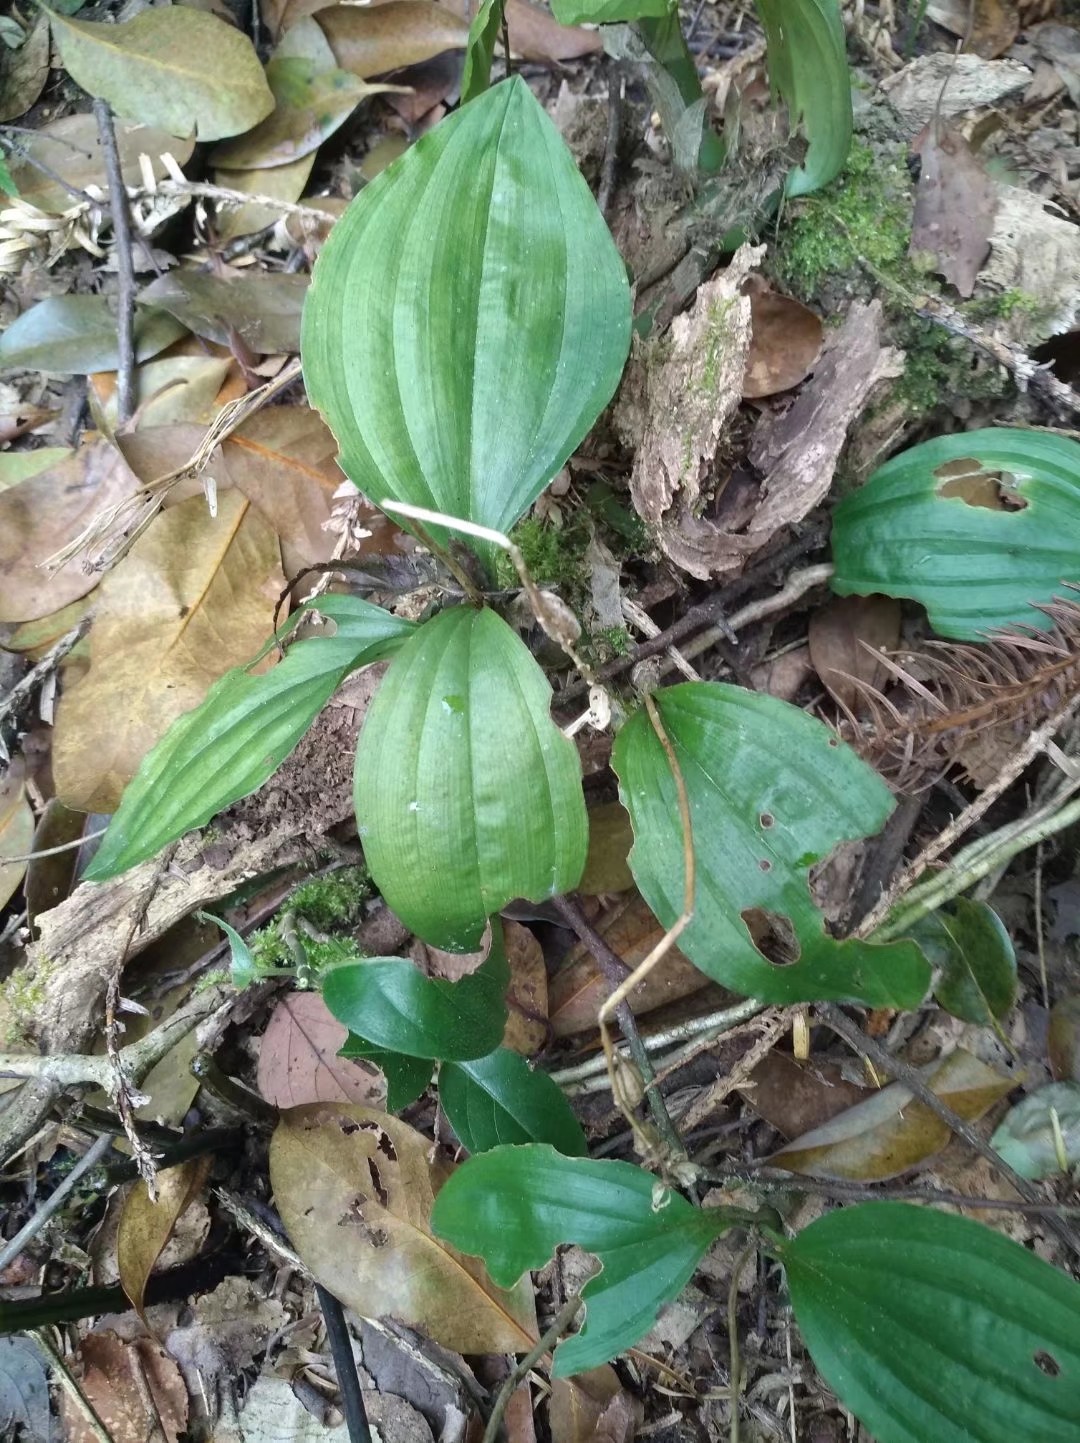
(928, 1326)
(501, 1099)
(514, 1206)
(178, 68)
(475, 268)
(390, 1003)
(771, 791)
(235, 740)
(980, 527)
(355, 1188)
(484, 804)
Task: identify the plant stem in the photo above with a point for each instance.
(352, 1397)
(735, 1386)
(562, 1320)
(125, 268)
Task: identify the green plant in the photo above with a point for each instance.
(468, 320)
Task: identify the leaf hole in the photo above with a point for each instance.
(965, 480)
(766, 820)
(377, 1183)
(765, 865)
(772, 935)
(1047, 1363)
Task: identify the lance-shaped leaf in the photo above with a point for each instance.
(501, 1099)
(980, 528)
(807, 59)
(771, 792)
(968, 941)
(513, 1206)
(389, 1002)
(467, 794)
(237, 738)
(469, 316)
(931, 1327)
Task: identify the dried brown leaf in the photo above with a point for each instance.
(375, 39)
(24, 70)
(298, 1059)
(785, 341)
(261, 310)
(193, 597)
(955, 206)
(611, 836)
(16, 833)
(593, 1406)
(146, 1227)
(355, 1188)
(527, 997)
(843, 640)
(536, 35)
(796, 1097)
(116, 1377)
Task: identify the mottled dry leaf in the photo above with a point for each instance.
(168, 391)
(70, 149)
(798, 450)
(44, 513)
(527, 997)
(578, 989)
(282, 182)
(192, 598)
(375, 39)
(272, 1413)
(16, 833)
(354, 1188)
(785, 341)
(146, 1227)
(262, 309)
(795, 1097)
(844, 634)
(593, 1407)
(298, 1059)
(114, 1377)
(955, 206)
(677, 396)
(891, 1133)
(24, 70)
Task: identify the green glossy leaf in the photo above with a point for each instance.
(807, 59)
(242, 966)
(484, 802)
(480, 48)
(513, 1206)
(771, 792)
(406, 1077)
(469, 316)
(970, 945)
(930, 1327)
(237, 738)
(389, 1002)
(1040, 1136)
(501, 1099)
(74, 335)
(606, 12)
(980, 527)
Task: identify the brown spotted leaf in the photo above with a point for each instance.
(955, 206)
(354, 1188)
(115, 1376)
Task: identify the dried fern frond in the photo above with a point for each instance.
(965, 706)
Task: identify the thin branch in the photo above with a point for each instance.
(735, 1386)
(563, 1318)
(352, 1397)
(125, 268)
(23, 690)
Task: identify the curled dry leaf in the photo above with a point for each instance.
(376, 39)
(355, 1188)
(785, 341)
(45, 513)
(593, 1407)
(890, 1133)
(527, 997)
(115, 1378)
(262, 310)
(578, 989)
(955, 206)
(193, 597)
(843, 639)
(298, 1059)
(24, 70)
(146, 1226)
(70, 150)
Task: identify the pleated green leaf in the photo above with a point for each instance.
(469, 316)
(389, 1002)
(501, 1099)
(467, 794)
(807, 59)
(513, 1206)
(772, 791)
(930, 1327)
(980, 528)
(235, 740)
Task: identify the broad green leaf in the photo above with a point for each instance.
(1040, 1136)
(772, 791)
(501, 1099)
(606, 12)
(469, 316)
(980, 527)
(389, 1002)
(406, 1077)
(480, 48)
(237, 738)
(513, 1207)
(970, 945)
(177, 68)
(484, 802)
(806, 54)
(930, 1327)
(74, 335)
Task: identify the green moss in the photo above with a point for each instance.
(554, 555)
(333, 901)
(24, 996)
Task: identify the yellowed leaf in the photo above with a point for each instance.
(527, 997)
(374, 39)
(146, 1227)
(193, 597)
(280, 182)
(354, 1188)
